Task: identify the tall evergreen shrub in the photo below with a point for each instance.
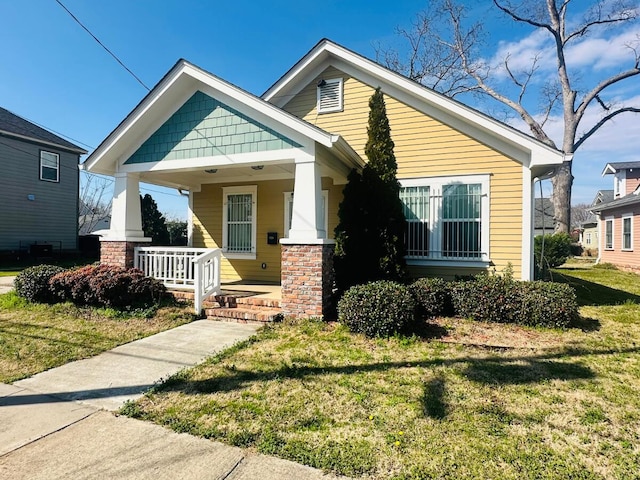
(370, 233)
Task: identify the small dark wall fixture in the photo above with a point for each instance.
(272, 238)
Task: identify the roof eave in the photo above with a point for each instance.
(78, 150)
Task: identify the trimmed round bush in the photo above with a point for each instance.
(432, 296)
(33, 283)
(377, 309)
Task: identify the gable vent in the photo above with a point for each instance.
(330, 95)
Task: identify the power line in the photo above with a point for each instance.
(89, 174)
(102, 45)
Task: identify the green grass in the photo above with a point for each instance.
(469, 400)
(35, 337)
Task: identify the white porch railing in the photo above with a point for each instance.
(196, 269)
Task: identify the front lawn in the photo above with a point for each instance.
(35, 337)
(465, 400)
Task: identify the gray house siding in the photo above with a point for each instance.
(34, 210)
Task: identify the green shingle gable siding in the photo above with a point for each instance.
(206, 127)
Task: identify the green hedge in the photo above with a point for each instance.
(432, 296)
(377, 309)
(493, 298)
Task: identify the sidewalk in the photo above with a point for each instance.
(6, 284)
(54, 424)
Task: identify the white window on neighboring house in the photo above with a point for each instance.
(49, 166)
(330, 95)
(447, 218)
(239, 221)
(588, 238)
(288, 211)
(627, 232)
(608, 234)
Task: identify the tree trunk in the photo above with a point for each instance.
(562, 182)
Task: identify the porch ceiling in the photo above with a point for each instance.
(192, 179)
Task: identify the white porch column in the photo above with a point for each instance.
(126, 217)
(125, 233)
(307, 222)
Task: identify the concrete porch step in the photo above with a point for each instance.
(243, 314)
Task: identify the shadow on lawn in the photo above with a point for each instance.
(488, 370)
(595, 294)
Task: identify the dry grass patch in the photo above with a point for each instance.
(463, 400)
(34, 337)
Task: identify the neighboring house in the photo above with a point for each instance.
(271, 169)
(543, 223)
(93, 220)
(589, 237)
(38, 187)
(619, 218)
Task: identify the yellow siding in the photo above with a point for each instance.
(207, 226)
(425, 147)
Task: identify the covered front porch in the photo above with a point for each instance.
(263, 188)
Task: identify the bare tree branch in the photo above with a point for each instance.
(445, 54)
(604, 120)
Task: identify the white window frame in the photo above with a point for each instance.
(627, 216)
(588, 238)
(240, 190)
(620, 183)
(609, 221)
(337, 108)
(288, 202)
(436, 185)
(56, 168)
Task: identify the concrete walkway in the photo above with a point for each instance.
(54, 424)
(6, 284)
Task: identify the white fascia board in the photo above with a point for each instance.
(608, 169)
(171, 93)
(103, 150)
(291, 83)
(510, 141)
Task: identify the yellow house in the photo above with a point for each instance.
(265, 175)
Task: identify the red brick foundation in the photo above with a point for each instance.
(118, 253)
(307, 280)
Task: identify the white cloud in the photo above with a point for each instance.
(604, 50)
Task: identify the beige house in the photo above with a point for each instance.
(265, 175)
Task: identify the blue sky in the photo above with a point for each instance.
(56, 75)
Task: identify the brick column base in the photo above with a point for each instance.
(307, 280)
(120, 253)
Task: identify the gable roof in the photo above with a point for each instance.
(617, 166)
(603, 196)
(15, 126)
(172, 91)
(514, 143)
(627, 200)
